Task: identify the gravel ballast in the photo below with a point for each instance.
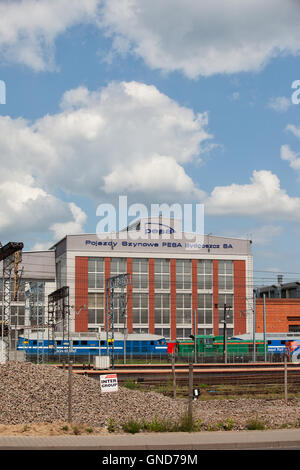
(33, 393)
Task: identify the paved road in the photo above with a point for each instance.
(288, 439)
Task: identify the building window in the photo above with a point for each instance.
(17, 315)
(183, 274)
(162, 309)
(205, 309)
(204, 274)
(294, 328)
(139, 309)
(139, 273)
(165, 332)
(118, 266)
(162, 274)
(184, 309)
(182, 333)
(140, 331)
(96, 308)
(96, 273)
(225, 275)
(205, 331)
(228, 300)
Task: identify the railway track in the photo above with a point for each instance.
(216, 374)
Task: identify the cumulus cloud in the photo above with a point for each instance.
(125, 137)
(262, 197)
(27, 209)
(198, 38)
(203, 38)
(28, 28)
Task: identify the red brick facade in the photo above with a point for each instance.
(173, 298)
(281, 315)
(194, 295)
(81, 293)
(239, 283)
(215, 297)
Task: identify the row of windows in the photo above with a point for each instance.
(162, 308)
(140, 276)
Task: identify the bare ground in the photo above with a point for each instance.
(34, 401)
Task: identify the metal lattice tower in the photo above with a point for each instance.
(11, 257)
(59, 315)
(116, 282)
(35, 309)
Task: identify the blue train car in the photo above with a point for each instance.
(276, 342)
(88, 344)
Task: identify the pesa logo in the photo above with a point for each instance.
(161, 229)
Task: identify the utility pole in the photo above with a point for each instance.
(190, 406)
(254, 324)
(265, 341)
(195, 333)
(70, 392)
(224, 337)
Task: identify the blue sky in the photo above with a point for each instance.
(191, 100)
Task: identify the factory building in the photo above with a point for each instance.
(180, 281)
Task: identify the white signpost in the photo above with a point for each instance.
(109, 383)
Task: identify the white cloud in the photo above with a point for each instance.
(126, 137)
(28, 28)
(280, 104)
(203, 38)
(28, 209)
(118, 138)
(265, 234)
(158, 174)
(262, 235)
(263, 197)
(294, 129)
(288, 154)
(74, 226)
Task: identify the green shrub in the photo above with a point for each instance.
(131, 385)
(76, 430)
(187, 424)
(131, 427)
(111, 425)
(255, 425)
(158, 426)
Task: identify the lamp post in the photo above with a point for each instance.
(226, 315)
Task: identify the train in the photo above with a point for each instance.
(89, 344)
(211, 347)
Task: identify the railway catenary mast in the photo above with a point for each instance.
(116, 282)
(11, 257)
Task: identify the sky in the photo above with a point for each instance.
(168, 101)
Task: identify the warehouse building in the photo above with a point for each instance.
(281, 302)
(180, 282)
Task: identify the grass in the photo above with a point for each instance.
(130, 384)
(255, 425)
(185, 424)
